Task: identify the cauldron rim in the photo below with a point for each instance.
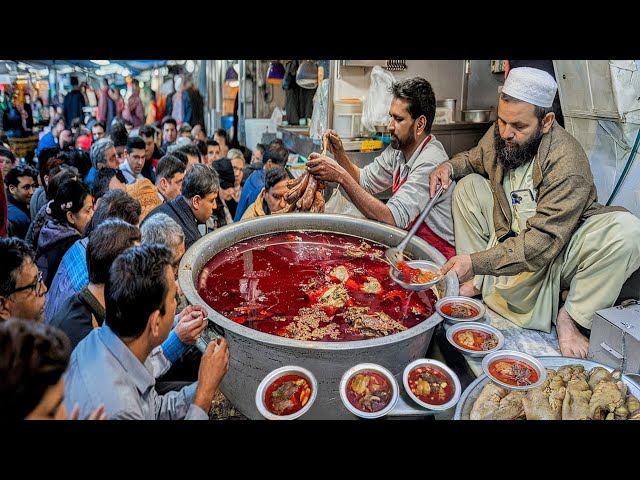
(304, 222)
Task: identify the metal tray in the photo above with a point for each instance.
(471, 393)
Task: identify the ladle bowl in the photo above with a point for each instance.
(397, 275)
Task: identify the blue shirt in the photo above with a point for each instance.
(91, 177)
(46, 142)
(250, 192)
(104, 371)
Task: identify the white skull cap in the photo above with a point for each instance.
(531, 85)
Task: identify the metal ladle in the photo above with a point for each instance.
(396, 254)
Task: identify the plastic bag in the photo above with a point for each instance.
(376, 104)
(339, 203)
(320, 111)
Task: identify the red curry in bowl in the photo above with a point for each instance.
(459, 310)
(287, 394)
(476, 340)
(513, 372)
(369, 391)
(431, 385)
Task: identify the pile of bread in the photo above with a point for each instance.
(568, 393)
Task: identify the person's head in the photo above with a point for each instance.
(271, 159)
(98, 131)
(21, 287)
(147, 133)
(226, 177)
(213, 151)
(412, 111)
(21, 182)
(120, 137)
(65, 139)
(74, 81)
(72, 205)
(76, 124)
(115, 204)
(198, 132)
(275, 188)
(57, 176)
(147, 194)
(277, 147)
(103, 154)
(256, 154)
(169, 176)
(135, 87)
(525, 114)
(136, 154)
(169, 130)
(77, 158)
(190, 152)
(163, 229)
(140, 294)
(200, 189)
(128, 126)
(185, 131)
(220, 136)
(8, 160)
(238, 169)
(107, 179)
(33, 359)
(106, 242)
(59, 124)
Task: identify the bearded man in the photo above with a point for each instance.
(527, 223)
(404, 167)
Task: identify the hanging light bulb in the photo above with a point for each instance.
(275, 73)
(307, 75)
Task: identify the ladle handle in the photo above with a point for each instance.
(421, 218)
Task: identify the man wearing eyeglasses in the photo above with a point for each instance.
(21, 182)
(21, 287)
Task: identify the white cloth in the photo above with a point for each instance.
(531, 85)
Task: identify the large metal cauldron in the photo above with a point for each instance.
(254, 354)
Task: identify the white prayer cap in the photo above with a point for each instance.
(531, 85)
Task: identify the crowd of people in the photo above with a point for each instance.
(93, 236)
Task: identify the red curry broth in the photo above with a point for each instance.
(459, 310)
(476, 340)
(287, 394)
(431, 385)
(264, 282)
(369, 391)
(513, 372)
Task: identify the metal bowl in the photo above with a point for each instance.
(435, 364)
(272, 377)
(483, 327)
(368, 367)
(395, 274)
(472, 302)
(513, 355)
(477, 116)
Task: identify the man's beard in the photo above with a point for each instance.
(397, 144)
(513, 156)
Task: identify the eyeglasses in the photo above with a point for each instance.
(36, 287)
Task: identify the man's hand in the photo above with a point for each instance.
(213, 366)
(440, 176)
(333, 143)
(97, 414)
(461, 264)
(192, 321)
(326, 169)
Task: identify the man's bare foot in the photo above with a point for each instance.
(468, 289)
(572, 342)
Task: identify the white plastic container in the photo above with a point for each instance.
(347, 117)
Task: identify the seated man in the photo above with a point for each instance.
(404, 167)
(527, 223)
(111, 365)
(271, 198)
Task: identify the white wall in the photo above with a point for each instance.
(444, 75)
